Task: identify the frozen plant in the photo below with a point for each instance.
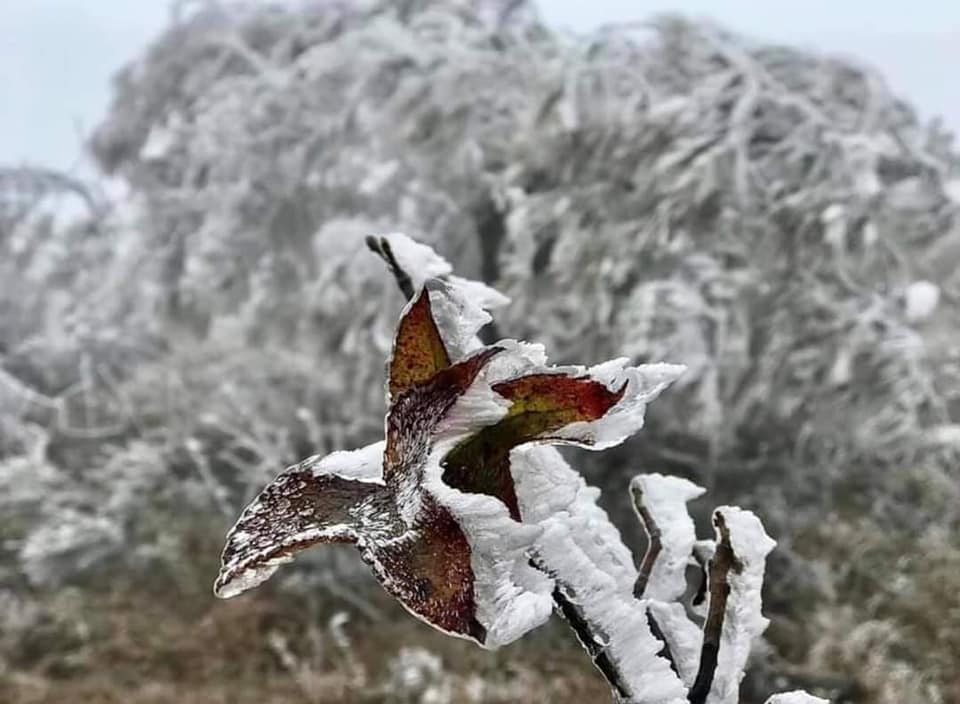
(477, 526)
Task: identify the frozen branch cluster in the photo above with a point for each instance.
(479, 528)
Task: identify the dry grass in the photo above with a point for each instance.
(169, 641)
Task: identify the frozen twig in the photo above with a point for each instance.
(661, 504)
(381, 247)
(580, 625)
(719, 588)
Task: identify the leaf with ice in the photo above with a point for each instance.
(413, 543)
(433, 509)
(479, 528)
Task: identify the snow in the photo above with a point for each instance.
(364, 464)
(459, 316)
(665, 498)
(743, 621)
(796, 697)
(583, 550)
(421, 264)
(418, 260)
(920, 300)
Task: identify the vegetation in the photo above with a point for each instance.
(777, 221)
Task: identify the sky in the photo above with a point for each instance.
(57, 56)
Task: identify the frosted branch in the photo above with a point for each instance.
(661, 504)
(797, 697)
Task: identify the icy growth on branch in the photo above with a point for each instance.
(664, 501)
(743, 621)
(434, 510)
(583, 550)
(421, 263)
(479, 528)
(797, 697)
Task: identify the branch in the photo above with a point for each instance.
(381, 247)
(572, 614)
(654, 544)
(719, 588)
(703, 552)
(661, 505)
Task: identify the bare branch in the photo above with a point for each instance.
(654, 544)
(567, 607)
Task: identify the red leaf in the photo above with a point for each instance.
(542, 404)
(418, 349)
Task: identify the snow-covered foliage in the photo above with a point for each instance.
(478, 528)
(415, 506)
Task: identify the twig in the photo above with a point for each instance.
(653, 542)
(723, 561)
(702, 555)
(658, 633)
(568, 608)
(381, 247)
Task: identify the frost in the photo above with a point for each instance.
(584, 552)
(364, 464)
(743, 621)
(797, 697)
(920, 300)
(418, 260)
(665, 498)
(643, 384)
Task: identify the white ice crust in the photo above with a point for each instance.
(665, 498)
(796, 697)
(743, 621)
(364, 464)
(583, 550)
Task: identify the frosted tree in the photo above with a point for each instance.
(476, 525)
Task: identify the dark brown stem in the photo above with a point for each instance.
(566, 605)
(654, 546)
(665, 651)
(722, 562)
(702, 557)
(381, 247)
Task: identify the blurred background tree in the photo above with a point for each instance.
(778, 221)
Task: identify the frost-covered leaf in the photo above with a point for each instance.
(296, 510)
(539, 405)
(414, 545)
(437, 516)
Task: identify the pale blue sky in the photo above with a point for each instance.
(57, 56)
